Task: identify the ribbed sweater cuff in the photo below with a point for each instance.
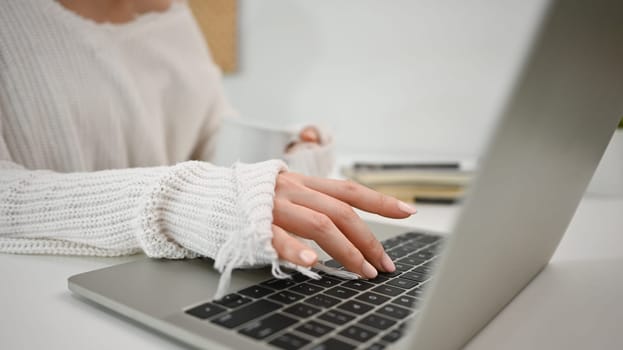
(223, 213)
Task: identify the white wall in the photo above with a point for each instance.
(397, 77)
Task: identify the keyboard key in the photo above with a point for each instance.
(422, 255)
(431, 249)
(402, 283)
(414, 276)
(378, 322)
(332, 263)
(256, 291)
(428, 238)
(423, 275)
(306, 289)
(388, 290)
(406, 237)
(285, 297)
(394, 311)
(246, 313)
(336, 317)
(372, 298)
(289, 341)
(315, 329)
(355, 307)
(333, 344)
(391, 243)
(341, 293)
(416, 292)
(359, 334)
(400, 251)
(414, 246)
(414, 235)
(410, 260)
(406, 301)
(376, 346)
(299, 277)
(402, 325)
(423, 269)
(326, 282)
(322, 300)
(278, 284)
(272, 324)
(429, 264)
(402, 267)
(233, 300)
(302, 310)
(395, 254)
(390, 274)
(378, 279)
(357, 285)
(206, 310)
(392, 336)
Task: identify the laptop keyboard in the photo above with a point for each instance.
(332, 313)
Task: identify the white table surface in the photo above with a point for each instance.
(575, 303)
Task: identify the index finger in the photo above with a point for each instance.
(361, 197)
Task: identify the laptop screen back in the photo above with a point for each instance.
(557, 122)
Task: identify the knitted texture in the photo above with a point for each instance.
(97, 124)
(183, 211)
(79, 96)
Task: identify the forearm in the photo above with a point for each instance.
(73, 213)
(172, 212)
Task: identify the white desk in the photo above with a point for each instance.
(576, 303)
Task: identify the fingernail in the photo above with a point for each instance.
(407, 208)
(387, 263)
(308, 256)
(368, 270)
(310, 133)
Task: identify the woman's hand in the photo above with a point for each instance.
(307, 135)
(321, 210)
(310, 134)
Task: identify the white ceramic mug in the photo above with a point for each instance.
(248, 142)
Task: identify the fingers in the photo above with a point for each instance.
(360, 196)
(348, 222)
(320, 209)
(291, 249)
(311, 224)
(310, 134)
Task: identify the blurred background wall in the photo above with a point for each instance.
(402, 77)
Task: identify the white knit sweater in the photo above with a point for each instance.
(98, 123)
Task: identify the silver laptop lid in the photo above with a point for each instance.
(562, 112)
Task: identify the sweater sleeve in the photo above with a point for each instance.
(182, 211)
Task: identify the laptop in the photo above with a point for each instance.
(556, 123)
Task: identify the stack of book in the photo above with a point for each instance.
(421, 182)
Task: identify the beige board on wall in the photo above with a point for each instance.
(218, 22)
